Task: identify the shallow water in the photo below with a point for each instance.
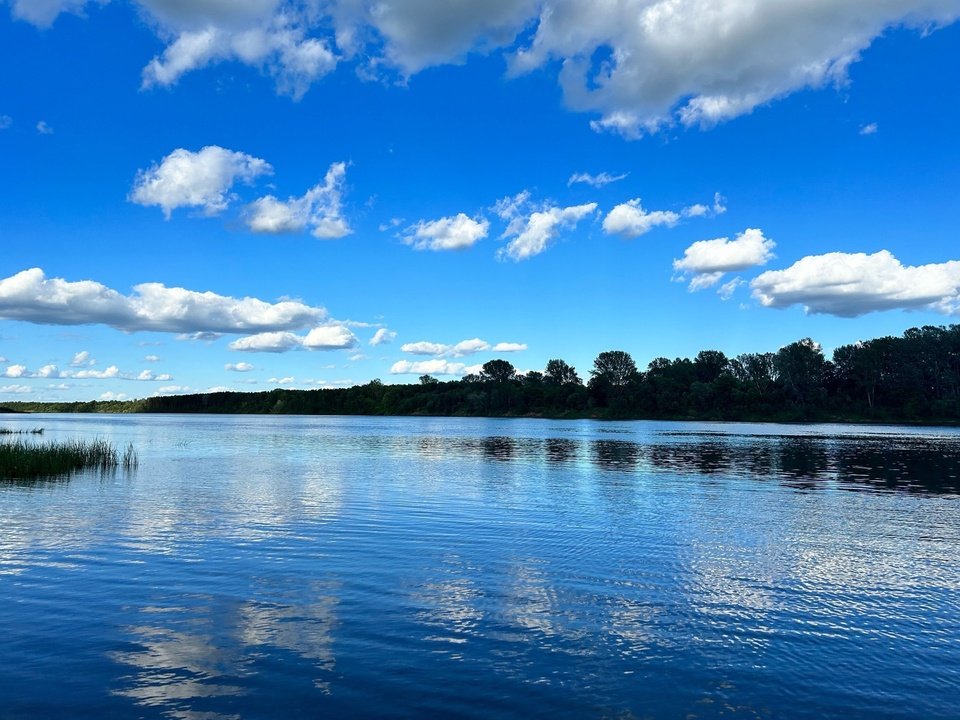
(272, 567)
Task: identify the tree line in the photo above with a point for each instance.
(911, 378)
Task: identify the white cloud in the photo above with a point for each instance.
(238, 367)
(32, 297)
(532, 234)
(5, 122)
(596, 181)
(113, 396)
(638, 64)
(425, 348)
(460, 349)
(324, 337)
(726, 290)
(147, 375)
(109, 374)
(152, 358)
(288, 380)
(447, 233)
(383, 336)
(630, 220)
(48, 371)
(171, 390)
(201, 179)
(705, 61)
(14, 389)
(265, 34)
(318, 209)
(707, 260)
(82, 359)
(853, 284)
(438, 366)
(16, 371)
(43, 128)
(870, 129)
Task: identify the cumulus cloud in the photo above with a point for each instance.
(113, 396)
(869, 129)
(706, 261)
(631, 220)
(383, 336)
(447, 233)
(16, 371)
(437, 366)
(32, 297)
(324, 337)
(597, 181)
(460, 349)
(148, 376)
(532, 233)
(152, 358)
(319, 209)
(238, 367)
(637, 64)
(262, 34)
(43, 128)
(853, 284)
(201, 179)
(14, 389)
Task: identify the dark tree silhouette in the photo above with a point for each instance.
(499, 371)
(558, 372)
(614, 368)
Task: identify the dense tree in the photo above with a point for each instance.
(914, 378)
(558, 372)
(498, 371)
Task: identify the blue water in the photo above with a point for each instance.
(278, 567)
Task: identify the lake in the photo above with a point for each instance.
(278, 567)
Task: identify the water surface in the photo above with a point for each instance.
(277, 567)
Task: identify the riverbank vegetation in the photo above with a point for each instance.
(911, 378)
(22, 459)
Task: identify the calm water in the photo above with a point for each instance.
(278, 567)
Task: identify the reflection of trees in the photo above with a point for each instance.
(560, 450)
(616, 454)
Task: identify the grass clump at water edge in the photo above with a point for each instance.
(8, 431)
(20, 459)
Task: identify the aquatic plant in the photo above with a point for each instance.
(34, 431)
(21, 459)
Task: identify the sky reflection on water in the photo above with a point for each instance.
(269, 567)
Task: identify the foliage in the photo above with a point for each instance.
(22, 459)
(913, 378)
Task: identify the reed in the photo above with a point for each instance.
(34, 431)
(21, 459)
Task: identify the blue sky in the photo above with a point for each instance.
(244, 195)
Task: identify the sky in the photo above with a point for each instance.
(248, 194)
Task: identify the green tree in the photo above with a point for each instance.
(559, 372)
(498, 371)
(614, 368)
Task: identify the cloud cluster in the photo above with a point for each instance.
(438, 366)
(324, 337)
(201, 179)
(630, 220)
(637, 64)
(447, 233)
(110, 373)
(319, 209)
(533, 227)
(30, 296)
(706, 261)
(460, 349)
(853, 284)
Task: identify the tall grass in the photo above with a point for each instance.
(20, 459)
(8, 431)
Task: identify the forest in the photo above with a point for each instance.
(912, 378)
